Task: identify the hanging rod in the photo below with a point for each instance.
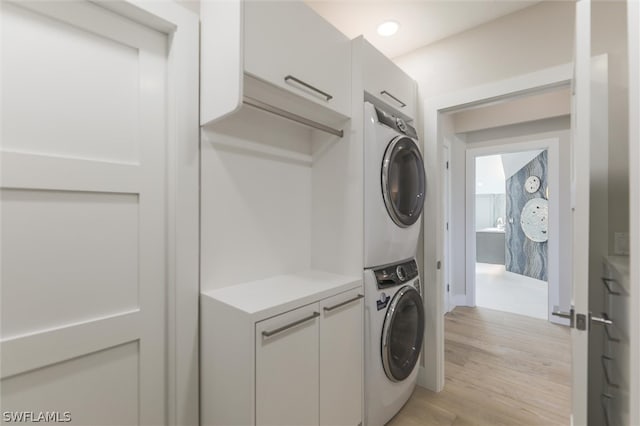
(291, 116)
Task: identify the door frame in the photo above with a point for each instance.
(182, 28)
(432, 374)
(544, 141)
(633, 28)
(448, 301)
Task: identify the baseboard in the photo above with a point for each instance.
(459, 300)
(422, 381)
(422, 377)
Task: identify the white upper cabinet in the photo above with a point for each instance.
(277, 52)
(289, 45)
(384, 82)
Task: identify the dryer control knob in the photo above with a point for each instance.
(402, 126)
(401, 273)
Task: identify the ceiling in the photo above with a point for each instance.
(421, 22)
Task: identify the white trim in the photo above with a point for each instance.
(633, 26)
(446, 200)
(421, 377)
(459, 300)
(182, 29)
(433, 374)
(470, 225)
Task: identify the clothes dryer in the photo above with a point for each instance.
(394, 188)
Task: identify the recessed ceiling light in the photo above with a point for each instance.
(388, 28)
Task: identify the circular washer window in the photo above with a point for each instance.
(534, 220)
(402, 334)
(403, 181)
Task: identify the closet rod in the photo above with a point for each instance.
(291, 116)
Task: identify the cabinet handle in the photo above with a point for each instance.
(288, 326)
(385, 93)
(288, 79)
(346, 302)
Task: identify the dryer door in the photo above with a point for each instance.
(403, 181)
(402, 334)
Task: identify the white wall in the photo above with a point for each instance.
(609, 36)
(489, 175)
(527, 108)
(538, 37)
(532, 39)
(255, 200)
(514, 161)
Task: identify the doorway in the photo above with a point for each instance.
(526, 154)
(466, 133)
(511, 229)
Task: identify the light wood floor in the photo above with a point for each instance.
(501, 369)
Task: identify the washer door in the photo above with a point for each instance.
(402, 334)
(403, 181)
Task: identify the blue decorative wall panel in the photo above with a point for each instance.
(523, 256)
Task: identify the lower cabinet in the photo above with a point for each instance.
(341, 346)
(300, 366)
(287, 376)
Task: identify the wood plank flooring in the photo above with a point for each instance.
(501, 369)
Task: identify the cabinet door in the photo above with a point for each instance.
(341, 342)
(287, 378)
(386, 82)
(287, 44)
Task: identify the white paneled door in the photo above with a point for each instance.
(83, 214)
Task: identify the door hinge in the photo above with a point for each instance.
(438, 264)
(447, 288)
(447, 226)
(447, 165)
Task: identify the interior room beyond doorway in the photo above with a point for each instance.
(511, 212)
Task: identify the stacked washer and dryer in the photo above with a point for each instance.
(394, 312)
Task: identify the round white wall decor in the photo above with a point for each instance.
(532, 184)
(534, 220)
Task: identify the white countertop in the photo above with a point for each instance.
(267, 297)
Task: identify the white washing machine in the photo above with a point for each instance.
(394, 188)
(394, 330)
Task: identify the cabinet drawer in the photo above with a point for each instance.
(341, 358)
(387, 83)
(287, 44)
(287, 377)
